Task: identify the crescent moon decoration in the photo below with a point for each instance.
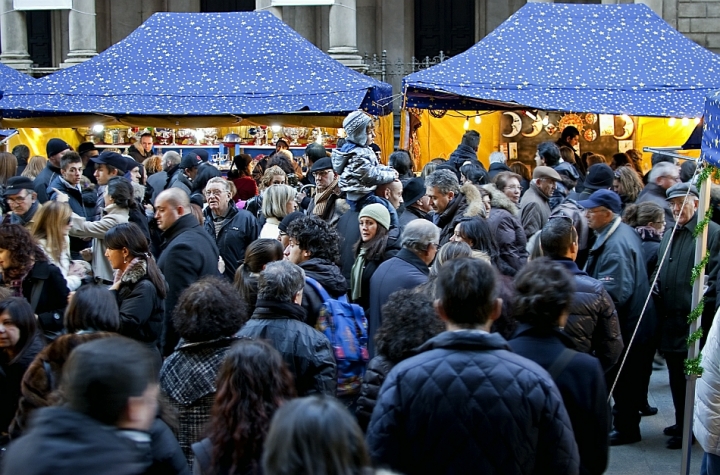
(628, 128)
(516, 125)
(537, 127)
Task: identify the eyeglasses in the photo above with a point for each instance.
(322, 173)
(209, 193)
(17, 198)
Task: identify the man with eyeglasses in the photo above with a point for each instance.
(22, 200)
(616, 260)
(674, 296)
(662, 176)
(327, 203)
(233, 229)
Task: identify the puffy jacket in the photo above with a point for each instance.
(404, 271)
(674, 296)
(359, 169)
(593, 322)
(582, 386)
(467, 204)
(307, 352)
(141, 308)
(375, 374)
(706, 421)
(188, 254)
(508, 231)
(534, 210)
(330, 277)
(467, 404)
(616, 260)
(239, 229)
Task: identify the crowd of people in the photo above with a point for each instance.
(347, 317)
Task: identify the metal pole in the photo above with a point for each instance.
(694, 350)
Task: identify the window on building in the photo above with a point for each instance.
(443, 25)
(227, 5)
(39, 33)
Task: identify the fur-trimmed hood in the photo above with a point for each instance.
(135, 271)
(473, 199)
(500, 200)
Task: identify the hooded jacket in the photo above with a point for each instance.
(582, 386)
(307, 352)
(239, 229)
(593, 323)
(330, 277)
(359, 169)
(141, 308)
(468, 203)
(467, 404)
(508, 231)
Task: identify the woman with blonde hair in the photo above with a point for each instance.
(8, 167)
(50, 230)
(278, 202)
(273, 176)
(627, 184)
(34, 167)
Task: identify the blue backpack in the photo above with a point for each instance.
(345, 325)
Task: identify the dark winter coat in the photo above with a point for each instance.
(65, 442)
(616, 260)
(307, 352)
(11, 375)
(76, 199)
(238, 231)
(650, 246)
(534, 210)
(349, 232)
(468, 203)
(188, 377)
(188, 253)
(168, 457)
(391, 249)
(464, 153)
(205, 172)
(157, 181)
(509, 233)
(404, 271)
(656, 194)
(674, 299)
(334, 210)
(582, 386)
(332, 280)
(177, 179)
(467, 404)
(43, 179)
(377, 370)
(141, 308)
(138, 154)
(496, 168)
(53, 298)
(410, 214)
(593, 322)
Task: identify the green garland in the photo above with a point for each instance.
(692, 365)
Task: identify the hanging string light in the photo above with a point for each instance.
(478, 119)
(671, 121)
(466, 124)
(685, 122)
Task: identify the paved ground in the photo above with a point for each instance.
(650, 456)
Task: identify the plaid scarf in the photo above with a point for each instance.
(322, 197)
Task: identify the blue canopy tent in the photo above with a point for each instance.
(711, 130)
(10, 77)
(607, 59)
(209, 69)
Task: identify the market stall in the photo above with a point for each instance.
(184, 71)
(619, 63)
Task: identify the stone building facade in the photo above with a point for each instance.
(38, 42)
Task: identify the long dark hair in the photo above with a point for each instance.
(23, 317)
(478, 231)
(240, 166)
(92, 307)
(375, 246)
(257, 254)
(131, 237)
(121, 191)
(252, 384)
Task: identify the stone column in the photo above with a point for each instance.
(343, 35)
(266, 5)
(82, 39)
(13, 37)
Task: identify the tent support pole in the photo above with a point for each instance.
(694, 349)
(669, 152)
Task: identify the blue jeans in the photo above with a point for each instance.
(710, 464)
